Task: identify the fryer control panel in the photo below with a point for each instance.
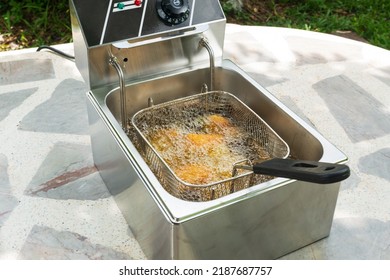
(173, 12)
(109, 21)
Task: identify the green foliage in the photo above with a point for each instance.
(370, 19)
(36, 22)
(229, 8)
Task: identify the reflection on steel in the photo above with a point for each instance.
(113, 61)
(204, 43)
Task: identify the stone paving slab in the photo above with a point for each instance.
(53, 202)
(44, 243)
(26, 70)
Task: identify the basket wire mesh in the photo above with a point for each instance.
(182, 113)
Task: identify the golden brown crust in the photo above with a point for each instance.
(199, 157)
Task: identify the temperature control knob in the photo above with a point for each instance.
(173, 12)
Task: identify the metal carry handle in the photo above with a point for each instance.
(122, 89)
(160, 37)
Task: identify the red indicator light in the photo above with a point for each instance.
(138, 2)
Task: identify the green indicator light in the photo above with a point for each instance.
(120, 6)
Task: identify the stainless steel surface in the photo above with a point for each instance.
(122, 90)
(205, 44)
(258, 139)
(142, 58)
(162, 63)
(265, 221)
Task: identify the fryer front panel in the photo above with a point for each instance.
(111, 21)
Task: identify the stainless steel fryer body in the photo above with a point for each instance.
(265, 221)
(164, 63)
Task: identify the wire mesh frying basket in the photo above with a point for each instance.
(184, 114)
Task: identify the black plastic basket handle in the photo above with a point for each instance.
(303, 170)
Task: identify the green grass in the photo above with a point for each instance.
(31, 23)
(370, 19)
